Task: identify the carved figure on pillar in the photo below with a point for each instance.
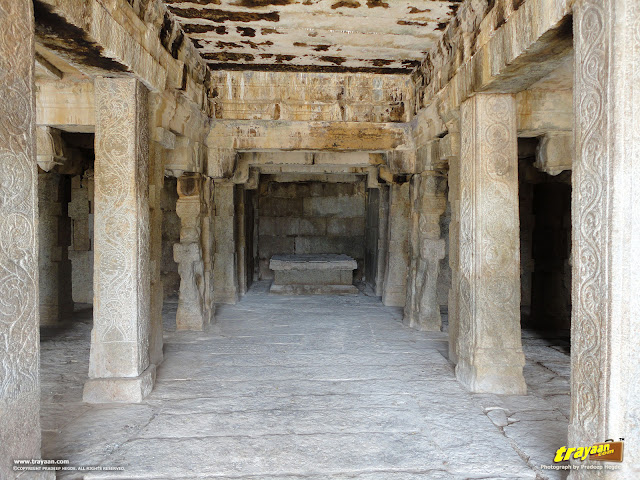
(422, 310)
(192, 311)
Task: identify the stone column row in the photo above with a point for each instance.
(428, 203)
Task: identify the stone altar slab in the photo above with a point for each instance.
(313, 274)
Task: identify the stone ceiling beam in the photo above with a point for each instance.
(542, 111)
(247, 135)
(536, 40)
(68, 105)
(110, 37)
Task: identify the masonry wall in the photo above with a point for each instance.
(310, 217)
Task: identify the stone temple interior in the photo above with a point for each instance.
(319, 239)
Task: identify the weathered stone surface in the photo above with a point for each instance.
(605, 372)
(120, 338)
(489, 347)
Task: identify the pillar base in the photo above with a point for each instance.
(120, 389)
(497, 379)
(186, 320)
(223, 296)
(394, 297)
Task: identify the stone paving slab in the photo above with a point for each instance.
(316, 388)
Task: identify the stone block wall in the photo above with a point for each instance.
(310, 217)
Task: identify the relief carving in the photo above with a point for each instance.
(490, 351)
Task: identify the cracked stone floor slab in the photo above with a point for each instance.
(304, 387)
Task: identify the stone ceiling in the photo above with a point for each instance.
(379, 36)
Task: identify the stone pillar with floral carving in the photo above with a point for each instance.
(490, 357)
(19, 334)
(191, 314)
(428, 203)
(605, 325)
(119, 365)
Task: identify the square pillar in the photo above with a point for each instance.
(428, 203)
(490, 357)
(225, 279)
(395, 283)
(119, 366)
(605, 325)
(19, 317)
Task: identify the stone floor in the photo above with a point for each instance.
(304, 387)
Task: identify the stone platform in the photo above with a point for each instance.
(313, 274)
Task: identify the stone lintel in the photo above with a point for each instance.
(120, 389)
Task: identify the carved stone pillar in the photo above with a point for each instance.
(605, 326)
(191, 314)
(20, 340)
(54, 228)
(395, 284)
(224, 264)
(119, 367)
(428, 203)
(490, 357)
